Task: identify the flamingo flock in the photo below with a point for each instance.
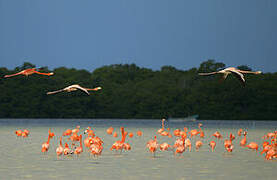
(77, 141)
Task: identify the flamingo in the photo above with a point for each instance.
(127, 146)
(202, 135)
(232, 70)
(131, 134)
(60, 150)
(74, 87)
(253, 145)
(18, 132)
(96, 149)
(228, 144)
(193, 132)
(76, 130)
(79, 149)
(45, 146)
(25, 133)
(243, 141)
(28, 72)
(162, 129)
(115, 134)
(139, 133)
(118, 145)
(217, 135)
(184, 133)
(198, 144)
(188, 144)
(152, 145)
(212, 144)
(51, 134)
(177, 132)
(110, 130)
(66, 150)
(68, 132)
(239, 132)
(164, 146)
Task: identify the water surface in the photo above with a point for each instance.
(22, 158)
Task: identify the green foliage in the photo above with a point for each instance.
(133, 92)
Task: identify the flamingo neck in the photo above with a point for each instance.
(61, 141)
(48, 140)
(81, 144)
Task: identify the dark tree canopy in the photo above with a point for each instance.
(130, 91)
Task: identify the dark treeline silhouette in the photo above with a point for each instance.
(130, 91)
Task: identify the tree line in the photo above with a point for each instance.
(130, 91)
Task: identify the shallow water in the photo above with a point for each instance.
(22, 158)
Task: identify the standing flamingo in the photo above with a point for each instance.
(45, 146)
(198, 144)
(152, 145)
(162, 129)
(118, 145)
(60, 150)
(79, 149)
(212, 144)
(243, 141)
(253, 145)
(164, 146)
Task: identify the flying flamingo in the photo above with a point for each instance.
(232, 70)
(28, 72)
(75, 87)
(60, 150)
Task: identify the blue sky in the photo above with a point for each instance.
(88, 34)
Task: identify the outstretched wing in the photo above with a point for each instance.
(207, 74)
(54, 92)
(6, 76)
(239, 76)
(81, 88)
